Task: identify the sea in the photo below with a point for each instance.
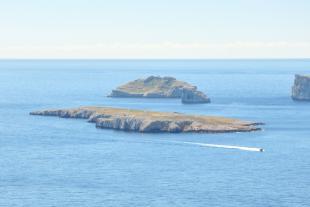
(57, 162)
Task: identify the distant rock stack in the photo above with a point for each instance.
(301, 88)
(160, 87)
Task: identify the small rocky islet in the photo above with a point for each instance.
(152, 122)
(161, 87)
(301, 88)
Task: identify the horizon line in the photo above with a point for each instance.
(144, 59)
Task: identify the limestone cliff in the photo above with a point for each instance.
(194, 97)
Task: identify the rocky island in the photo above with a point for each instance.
(160, 87)
(151, 122)
(301, 88)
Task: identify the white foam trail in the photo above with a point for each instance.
(253, 149)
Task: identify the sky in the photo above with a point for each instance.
(154, 29)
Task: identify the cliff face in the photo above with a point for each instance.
(194, 97)
(301, 88)
(150, 122)
(157, 87)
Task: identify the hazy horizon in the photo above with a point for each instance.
(136, 29)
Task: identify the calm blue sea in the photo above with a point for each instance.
(48, 161)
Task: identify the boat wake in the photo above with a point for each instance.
(253, 149)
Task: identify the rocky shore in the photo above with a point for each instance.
(301, 88)
(160, 87)
(151, 122)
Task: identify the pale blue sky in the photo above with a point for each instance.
(155, 29)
